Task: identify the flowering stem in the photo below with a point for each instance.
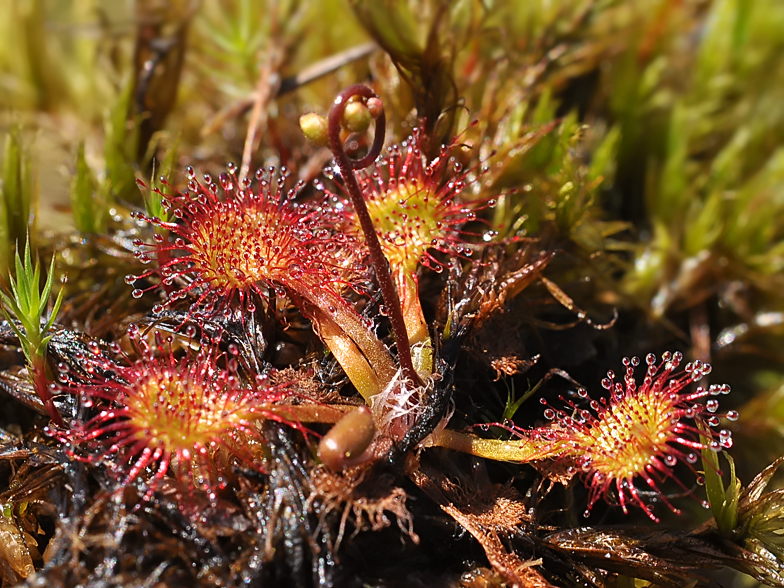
(380, 265)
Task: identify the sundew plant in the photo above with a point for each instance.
(377, 293)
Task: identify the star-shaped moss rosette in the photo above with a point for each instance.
(162, 414)
(26, 303)
(240, 243)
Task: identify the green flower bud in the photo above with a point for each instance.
(356, 117)
(315, 128)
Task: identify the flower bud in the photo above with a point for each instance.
(356, 117)
(375, 106)
(315, 128)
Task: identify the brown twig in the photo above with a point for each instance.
(266, 89)
(291, 83)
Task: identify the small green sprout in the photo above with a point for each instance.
(723, 500)
(26, 303)
(160, 189)
(120, 149)
(513, 403)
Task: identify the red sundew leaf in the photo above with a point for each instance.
(161, 414)
(642, 430)
(248, 241)
(419, 206)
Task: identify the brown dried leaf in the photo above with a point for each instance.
(28, 492)
(616, 552)
(16, 562)
(489, 521)
(492, 516)
(474, 297)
